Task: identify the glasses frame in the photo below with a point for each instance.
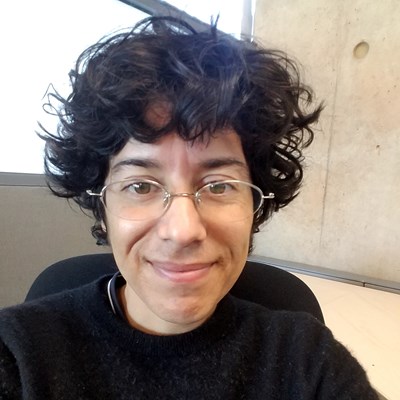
(168, 196)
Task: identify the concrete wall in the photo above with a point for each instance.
(348, 214)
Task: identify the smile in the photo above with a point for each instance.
(181, 273)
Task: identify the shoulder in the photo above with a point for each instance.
(55, 324)
(306, 348)
(249, 312)
(299, 340)
(53, 311)
(290, 334)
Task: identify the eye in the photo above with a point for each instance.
(140, 187)
(219, 187)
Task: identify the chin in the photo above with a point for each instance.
(186, 313)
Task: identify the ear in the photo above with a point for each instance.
(103, 226)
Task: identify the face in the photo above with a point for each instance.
(179, 266)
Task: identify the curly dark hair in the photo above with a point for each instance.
(210, 80)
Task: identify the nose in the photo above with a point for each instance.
(182, 223)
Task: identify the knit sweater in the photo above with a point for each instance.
(72, 346)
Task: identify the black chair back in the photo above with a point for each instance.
(260, 283)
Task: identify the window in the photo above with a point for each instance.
(40, 42)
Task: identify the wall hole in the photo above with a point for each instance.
(361, 50)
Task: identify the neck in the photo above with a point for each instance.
(147, 321)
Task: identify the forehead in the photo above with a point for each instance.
(222, 150)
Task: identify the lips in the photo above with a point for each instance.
(181, 273)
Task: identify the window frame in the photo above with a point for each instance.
(159, 7)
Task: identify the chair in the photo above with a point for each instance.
(260, 283)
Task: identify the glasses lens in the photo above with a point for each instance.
(230, 199)
(135, 200)
(140, 200)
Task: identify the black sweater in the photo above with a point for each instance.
(71, 346)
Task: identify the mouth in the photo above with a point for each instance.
(181, 273)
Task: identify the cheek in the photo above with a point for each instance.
(234, 243)
(123, 235)
(236, 236)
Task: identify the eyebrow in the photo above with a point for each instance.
(136, 162)
(213, 163)
(223, 162)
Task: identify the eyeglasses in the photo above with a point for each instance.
(143, 199)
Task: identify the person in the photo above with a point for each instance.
(182, 144)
